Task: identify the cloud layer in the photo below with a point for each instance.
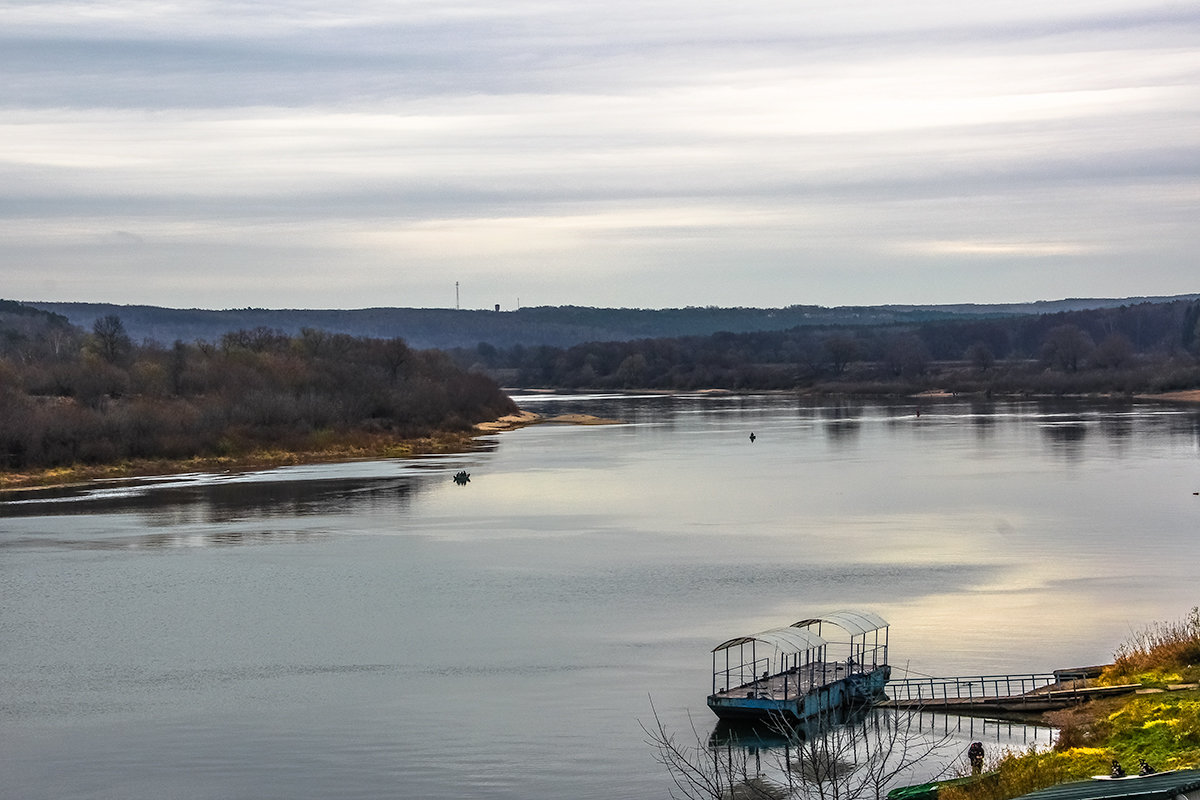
(296, 153)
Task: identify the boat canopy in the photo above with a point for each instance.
(785, 640)
(855, 623)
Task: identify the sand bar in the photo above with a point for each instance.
(520, 419)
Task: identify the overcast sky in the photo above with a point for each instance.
(305, 153)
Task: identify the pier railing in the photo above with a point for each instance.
(915, 691)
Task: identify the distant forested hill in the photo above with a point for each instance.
(1127, 349)
(556, 326)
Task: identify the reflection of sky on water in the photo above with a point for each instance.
(582, 569)
(196, 500)
(1046, 511)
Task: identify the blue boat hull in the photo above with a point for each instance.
(853, 690)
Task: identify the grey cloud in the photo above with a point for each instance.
(557, 110)
(506, 56)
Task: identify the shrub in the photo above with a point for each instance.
(1160, 652)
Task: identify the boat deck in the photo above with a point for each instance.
(787, 685)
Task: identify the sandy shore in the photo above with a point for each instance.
(520, 419)
(1186, 396)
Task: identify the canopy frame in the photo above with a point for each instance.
(862, 651)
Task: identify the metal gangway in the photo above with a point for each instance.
(1015, 692)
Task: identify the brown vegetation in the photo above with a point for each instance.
(1161, 727)
(71, 399)
(1162, 652)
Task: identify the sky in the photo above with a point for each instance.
(661, 154)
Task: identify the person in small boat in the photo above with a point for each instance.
(975, 756)
(752, 436)
(1144, 768)
(1117, 770)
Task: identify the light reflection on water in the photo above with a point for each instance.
(373, 630)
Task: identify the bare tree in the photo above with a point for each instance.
(980, 356)
(1066, 346)
(906, 355)
(842, 349)
(858, 759)
(1114, 352)
(700, 771)
(111, 341)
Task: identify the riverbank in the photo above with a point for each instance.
(1188, 396)
(360, 448)
(1159, 728)
(1158, 724)
(352, 448)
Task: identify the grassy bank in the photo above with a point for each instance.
(1160, 724)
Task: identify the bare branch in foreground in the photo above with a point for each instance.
(859, 759)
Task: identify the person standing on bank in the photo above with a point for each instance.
(975, 756)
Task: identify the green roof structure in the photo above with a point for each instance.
(1180, 783)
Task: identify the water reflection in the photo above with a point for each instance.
(843, 421)
(1005, 734)
(983, 421)
(1066, 437)
(167, 540)
(1117, 426)
(1116, 419)
(892, 748)
(213, 499)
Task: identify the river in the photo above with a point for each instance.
(373, 629)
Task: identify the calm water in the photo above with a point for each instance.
(373, 630)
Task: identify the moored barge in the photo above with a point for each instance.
(810, 668)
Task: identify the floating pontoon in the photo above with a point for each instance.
(812, 667)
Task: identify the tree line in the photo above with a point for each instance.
(70, 395)
(73, 396)
(1132, 348)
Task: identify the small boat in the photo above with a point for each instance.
(1133, 776)
(462, 477)
(813, 667)
(1179, 783)
(929, 791)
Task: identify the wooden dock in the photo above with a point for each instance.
(989, 694)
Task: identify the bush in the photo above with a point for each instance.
(1160, 652)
